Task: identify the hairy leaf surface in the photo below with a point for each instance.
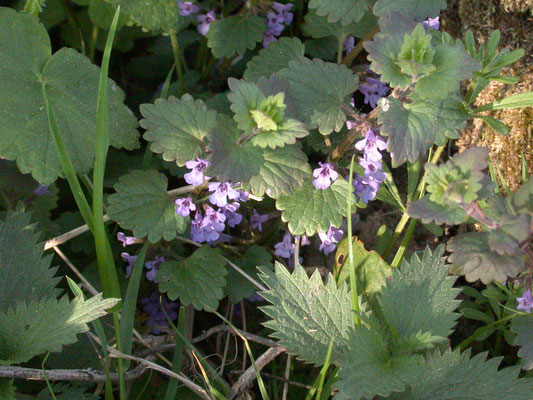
(153, 15)
(343, 11)
(418, 10)
(523, 327)
(234, 35)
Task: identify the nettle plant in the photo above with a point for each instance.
(234, 136)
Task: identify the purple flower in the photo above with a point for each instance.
(233, 218)
(349, 44)
(285, 248)
(330, 239)
(222, 191)
(243, 196)
(366, 189)
(153, 267)
(212, 224)
(373, 169)
(276, 21)
(325, 176)
(304, 240)
(152, 307)
(187, 8)
(525, 303)
(126, 240)
(431, 23)
(197, 232)
(373, 90)
(204, 23)
(351, 124)
(131, 262)
(268, 38)
(184, 206)
(371, 146)
(42, 190)
(196, 176)
(256, 220)
(284, 11)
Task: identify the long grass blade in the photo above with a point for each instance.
(351, 264)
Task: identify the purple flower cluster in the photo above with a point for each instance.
(325, 175)
(187, 8)
(196, 177)
(157, 318)
(373, 89)
(277, 19)
(330, 239)
(367, 187)
(286, 247)
(256, 220)
(431, 23)
(525, 303)
(151, 266)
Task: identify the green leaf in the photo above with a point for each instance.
(318, 27)
(416, 54)
(244, 97)
(319, 89)
(369, 367)
(142, 205)
(46, 325)
(451, 119)
(515, 101)
(345, 11)
(7, 390)
(497, 125)
(452, 376)
(426, 293)
(25, 274)
(177, 128)
(240, 288)
(418, 10)
(64, 391)
(522, 325)
(153, 15)
(23, 120)
(234, 35)
(273, 58)
(305, 313)
(522, 200)
(410, 128)
(285, 133)
(428, 211)
(198, 280)
(309, 210)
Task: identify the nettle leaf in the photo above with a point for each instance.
(345, 11)
(27, 64)
(319, 89)
(25, 274)
(522, 325)
(153, 15)
(452, 376)
(141, 204)
(273, 58)
(417, 10)
(270, 171)
(46, 325)
(177, 128)
(318, 27)
(368, 367)
(426, 293)
(306, 313)
(410, 127)
(240, 288)
(198, 280)
(234, 35)
(308, 209)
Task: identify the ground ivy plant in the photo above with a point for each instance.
(201, 168)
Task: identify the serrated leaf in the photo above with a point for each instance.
(240, 288)
(428, 211)
(234, 35)
(198, 280)
(318, 27)
(286, 133)
(309, 210)
(142, 205)
(177, 128)
(46, 325)
(522, 325)
(25, 274)
(416, 54)
(244, 96)
(305, 313)
(426, 293)
(273, 58)
(23, 120)
(418, 10)
(452, 376)
(319, 90)
(410, 127)
(369, 367)
(153, 15)
(345, 11)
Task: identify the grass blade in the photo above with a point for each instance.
(177, 360)
(351, 264)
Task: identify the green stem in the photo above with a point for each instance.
(34, 7)
(479, 331)
(172, 387)
(340, 46)
(351, 264)
(177, 59)
(92, 45)
(120, 361)
(405, 242)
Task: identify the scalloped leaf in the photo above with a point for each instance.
(319, 89)
(410, 127)
(234, 35)
(142, 205)
(318, 27)
(522, 325)
(343, 11)
(287, 133)
(309, 210)
(25, 55)
(36, 335)
(176, 128)
(428, 211)
(198, 280)
(522, 200)
(274, 58)
(418, 10)
(306, 313)
(452, 376)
